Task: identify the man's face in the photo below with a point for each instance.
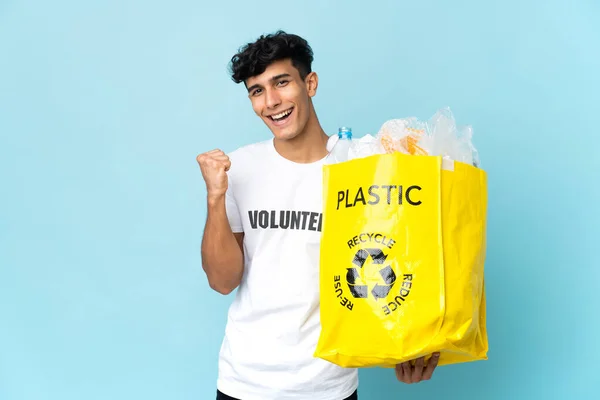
(282, 99)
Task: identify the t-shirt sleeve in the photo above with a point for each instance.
(233, 212)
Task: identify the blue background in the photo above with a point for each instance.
(105, 105)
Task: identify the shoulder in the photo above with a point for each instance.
(251, 150)
(247, 159)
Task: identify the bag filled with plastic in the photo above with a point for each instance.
(403, 247)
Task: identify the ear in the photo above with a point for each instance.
(312, 82)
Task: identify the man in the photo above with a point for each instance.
(262, 237)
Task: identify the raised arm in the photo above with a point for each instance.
(222, 250)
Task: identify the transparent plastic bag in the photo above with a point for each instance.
(402, 135)
(439, 136)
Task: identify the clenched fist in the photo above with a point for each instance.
(214, 166)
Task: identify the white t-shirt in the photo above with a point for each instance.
(274, 323)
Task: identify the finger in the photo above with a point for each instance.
(433, 362)
(417, 372)
(221, 157)
(407, 372)
(400, 374)
(216, 163)
(220, 161)
(227, 164)
(209, 155)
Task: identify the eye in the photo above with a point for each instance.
(255, 92)
(282, 82)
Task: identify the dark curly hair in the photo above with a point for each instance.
(253, 58)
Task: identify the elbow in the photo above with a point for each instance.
(222, 280)
(221, 284)
(221, 288)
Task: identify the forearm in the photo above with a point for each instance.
(222, 256)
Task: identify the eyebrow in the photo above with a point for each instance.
(251, 88)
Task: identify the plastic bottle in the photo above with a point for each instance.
(340, 151)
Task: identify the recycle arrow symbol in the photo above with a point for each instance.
(387, 274)
(358, 291)
(389, 277)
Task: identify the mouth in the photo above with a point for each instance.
(282, 117)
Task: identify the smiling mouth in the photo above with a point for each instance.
(282, 116)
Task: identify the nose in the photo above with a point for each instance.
(272, 98)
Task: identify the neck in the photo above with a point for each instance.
(307, 147)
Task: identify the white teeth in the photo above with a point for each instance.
(281, 115)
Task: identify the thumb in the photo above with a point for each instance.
(227, 165)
